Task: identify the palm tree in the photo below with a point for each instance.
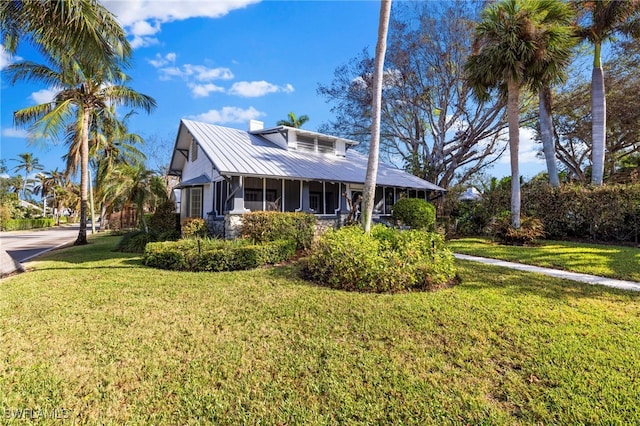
(293, 121)
(29, 164)
(64, 28)
(374, 145)
(137, 186)
(606, 19)
(110, 144)
(49, 184)
(513, 40)
(85, 91)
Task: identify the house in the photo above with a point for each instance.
(226, 172)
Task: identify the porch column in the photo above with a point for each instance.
(344, 205)
(305, 205)
(237, 186)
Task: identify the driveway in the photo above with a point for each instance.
(24, 245)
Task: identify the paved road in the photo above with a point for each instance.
(24, 245)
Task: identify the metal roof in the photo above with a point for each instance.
(303, 132)
(237, 152)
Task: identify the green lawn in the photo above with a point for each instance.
(607, 261)
(95, 333)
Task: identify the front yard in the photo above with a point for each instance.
(620, 262)
(111, 341)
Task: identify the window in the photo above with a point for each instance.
(194, 201)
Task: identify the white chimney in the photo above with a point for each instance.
(255, 125)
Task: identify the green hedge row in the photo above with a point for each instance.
(216, 255)
(386, 260)
(22, 224)
(606, 213)
(261, 227)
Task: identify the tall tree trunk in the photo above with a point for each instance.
(546, 134)
(374, 146)
(91, 206)
(598, 117)
(513, 114)
(84, 176)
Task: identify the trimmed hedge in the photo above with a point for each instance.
(415, 213)
(606, 213)
(262, 227)
(386, 260)
(23, 224)
(216, 255)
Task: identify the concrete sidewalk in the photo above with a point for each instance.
(585, 278)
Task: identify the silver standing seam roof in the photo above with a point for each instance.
(241, 153)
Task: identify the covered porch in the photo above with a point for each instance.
(241, 194)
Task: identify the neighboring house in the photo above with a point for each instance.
(226, 172)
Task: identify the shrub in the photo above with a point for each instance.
(530, 229)
(415, 213)
(262, 227)
(386, 260)
(135, 242)
(216, 255)
(23, 224)
(165, 218)
(607, 213)
(194, 227)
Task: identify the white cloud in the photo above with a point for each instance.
(253, 89)
(229, 115)
(143, 32)
(202, 73)
(161, 61)
(203, 90)
(132, 11)
(6, 58)
(143, 29)
(43, 96)
(143, 42)
(12, 132)
(143, 18)
(528, 150)
(196, 72)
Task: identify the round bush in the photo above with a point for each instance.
(386, 260)
(415, 213)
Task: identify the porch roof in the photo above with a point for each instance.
(197, 181)
(240, 153)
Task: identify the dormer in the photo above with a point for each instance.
(294, 139)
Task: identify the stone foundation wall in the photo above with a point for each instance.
(216, 226)
(325, 223)
(232, 226)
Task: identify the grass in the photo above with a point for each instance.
(95, 333)
(607, 261)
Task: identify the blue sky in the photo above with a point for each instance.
(225, 62)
